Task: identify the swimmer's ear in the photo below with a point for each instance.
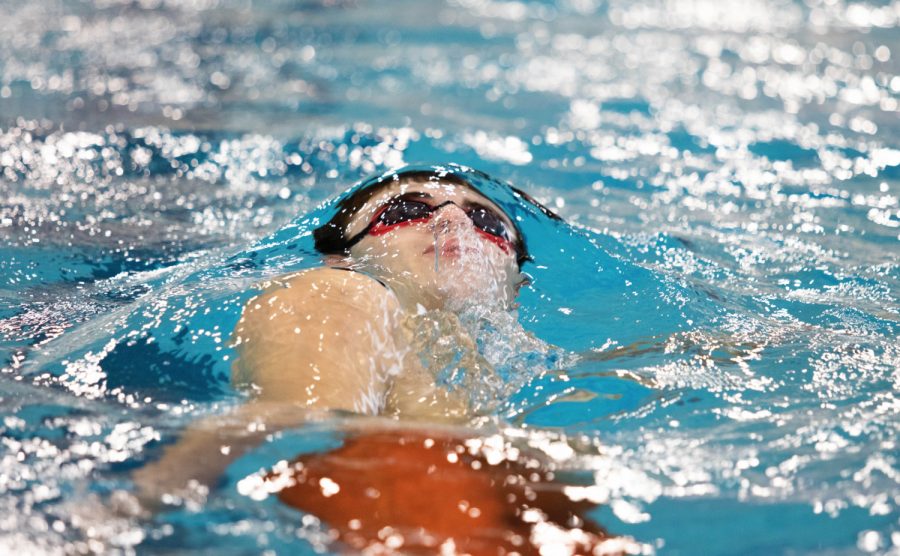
(524, 280)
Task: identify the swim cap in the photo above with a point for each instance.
(332, 237)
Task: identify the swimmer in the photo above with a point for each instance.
(341, 337)
(407, 246)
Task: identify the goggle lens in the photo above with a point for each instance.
(404, 210)
(399, 211)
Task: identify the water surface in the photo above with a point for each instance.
(729, 171)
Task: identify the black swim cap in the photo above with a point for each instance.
(332, 238)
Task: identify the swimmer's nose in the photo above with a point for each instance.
(450, 216)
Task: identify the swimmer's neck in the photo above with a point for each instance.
(417, 299)
(414, 296)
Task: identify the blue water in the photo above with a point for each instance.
(723, 299)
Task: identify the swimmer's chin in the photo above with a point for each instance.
(460, 295)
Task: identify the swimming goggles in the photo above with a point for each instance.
(409, 209)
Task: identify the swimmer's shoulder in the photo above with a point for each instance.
(331, 285)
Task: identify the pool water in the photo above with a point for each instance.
(718, 316)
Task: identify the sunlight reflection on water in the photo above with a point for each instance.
(746, 154)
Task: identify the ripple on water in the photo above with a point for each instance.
(730, 166)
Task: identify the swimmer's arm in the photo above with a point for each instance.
(189, 468)
(720, 348)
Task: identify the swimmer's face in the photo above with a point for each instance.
(439, 244)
